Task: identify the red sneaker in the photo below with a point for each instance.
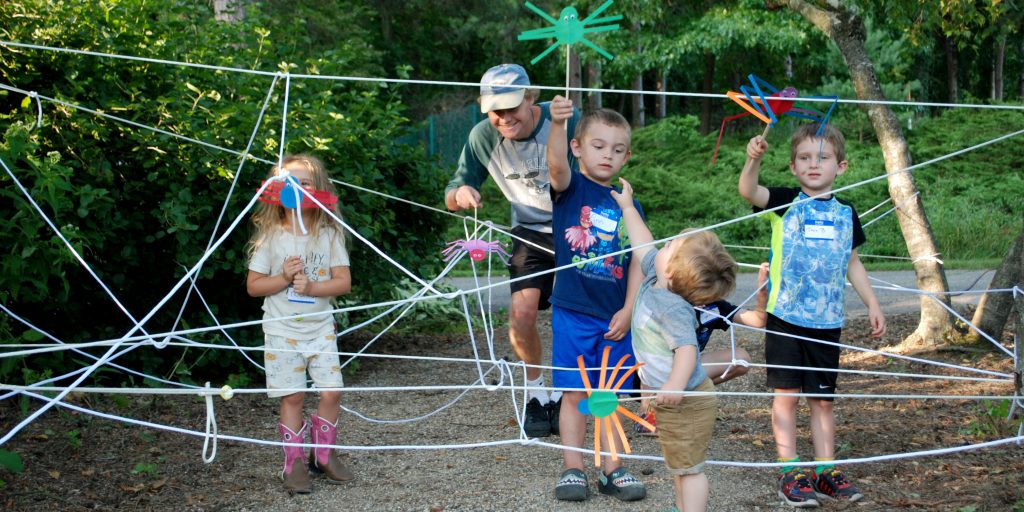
(832, 484)
(796, 490)
(640, 429)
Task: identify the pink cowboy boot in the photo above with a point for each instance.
(325, 459)
(295, 475)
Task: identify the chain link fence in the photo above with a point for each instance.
(443, 135)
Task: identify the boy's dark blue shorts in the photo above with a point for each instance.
(781, 347)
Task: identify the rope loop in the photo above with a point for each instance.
(210, 449)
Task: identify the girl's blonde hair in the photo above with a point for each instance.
(269, 218)
(702, 270)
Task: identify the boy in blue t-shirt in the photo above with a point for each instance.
(813, 252)
(592, 302)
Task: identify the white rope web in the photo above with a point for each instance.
(492, 373)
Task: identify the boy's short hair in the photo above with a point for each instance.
(702, 270)
(831, 134)
(604, 116)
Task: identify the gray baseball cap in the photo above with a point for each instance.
(503, 86)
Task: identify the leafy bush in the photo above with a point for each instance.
(140, 206)
(971, 199)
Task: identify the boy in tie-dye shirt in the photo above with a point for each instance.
(813, 251)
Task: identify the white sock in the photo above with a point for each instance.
(556, 396)
(534, 390)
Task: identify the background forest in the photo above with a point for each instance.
(141, 207)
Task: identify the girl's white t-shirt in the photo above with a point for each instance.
(318, 256)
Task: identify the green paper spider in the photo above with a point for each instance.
(569, 29)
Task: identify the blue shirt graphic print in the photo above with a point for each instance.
(811, 247)
(586, 222)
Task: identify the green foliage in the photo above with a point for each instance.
(140, 206)
(676, 188)
(11, 461)
(74, 438)
(979, 212)
(991, 420)
(238, 380)
(433, 315)
(352, 368)
(970, 199)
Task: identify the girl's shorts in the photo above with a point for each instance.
(287, 360)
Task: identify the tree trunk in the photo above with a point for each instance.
(952, 68)
(1018, 348)
(994, 309)
(594, 82)
(385, 23)
(575, 78)
(229, 10)
(997, 79)
(638, 85)
(662, 106)
(1020, 82)
(638, 101)
(847, 31)
(705, 102)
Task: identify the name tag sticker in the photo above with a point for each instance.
(603, 223)
(708, 313)
(294, 296)
(819, 230)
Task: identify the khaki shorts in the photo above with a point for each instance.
(287, 360)
(684, 431)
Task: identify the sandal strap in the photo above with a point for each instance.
(572, 477)
(621, 477)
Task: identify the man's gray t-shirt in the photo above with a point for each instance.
(518, 167)
(662, 322)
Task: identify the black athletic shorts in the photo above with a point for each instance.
(527, 259)
(780, 348)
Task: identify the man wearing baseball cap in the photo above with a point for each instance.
(510, 147)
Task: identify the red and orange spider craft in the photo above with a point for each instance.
(603, 404)
(755, 103)
(289, 194)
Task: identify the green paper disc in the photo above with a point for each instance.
(603, 403)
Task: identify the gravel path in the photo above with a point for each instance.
(103, 471)
(73, 462)
(519, 476)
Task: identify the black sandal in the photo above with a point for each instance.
(572, 485)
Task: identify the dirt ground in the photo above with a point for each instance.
(75, 461)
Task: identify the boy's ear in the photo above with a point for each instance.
(792, 168)
(574, 145)
(628, 154)
(841, 168)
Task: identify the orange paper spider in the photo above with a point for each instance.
(603, 404)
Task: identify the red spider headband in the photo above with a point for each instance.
(278, 192)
